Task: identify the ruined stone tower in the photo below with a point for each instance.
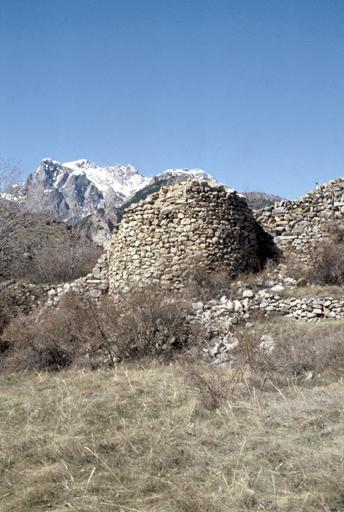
(191, 223)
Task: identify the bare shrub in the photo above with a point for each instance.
(49, 358)
(12, 229)
(206, 382)
(295, 268)
(325, 263)
(38, 246)
(205, 284)
(42, 248)
(73, 260)
(315, 352)
(74, 331)
(148, 322)
(16, 299)
(7, 308)
(142, 324)
(9, 174)
(327, 260)
(295, 352)
(47, 345)
(11, 226)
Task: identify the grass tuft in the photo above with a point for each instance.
(149, 439)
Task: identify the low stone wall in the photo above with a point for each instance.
(297, 226)
(219, 317)
(222, 314)
(23, 297)
(192, 223)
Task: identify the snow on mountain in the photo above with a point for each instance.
(15, 193)
(82, 192)
(188, 173)
(77, 188)
(121, 179)
(73, 190)
(184, 174)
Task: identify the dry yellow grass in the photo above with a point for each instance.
(149, 440)
(314, 291)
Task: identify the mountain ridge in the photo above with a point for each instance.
(80, 191)
(77, 188)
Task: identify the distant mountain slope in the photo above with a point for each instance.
(165, 179)
(76, 189)
(257, 200)
(40, 246)
(82, 192)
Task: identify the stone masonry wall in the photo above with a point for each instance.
(192, 223)
(297, 226)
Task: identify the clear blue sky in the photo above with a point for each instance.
(250, 90)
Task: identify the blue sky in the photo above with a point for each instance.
(250, 90)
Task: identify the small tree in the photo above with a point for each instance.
(12, 225)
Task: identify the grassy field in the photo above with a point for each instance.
(171, 438)
(313, 291)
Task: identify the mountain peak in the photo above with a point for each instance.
(83, 163)
(76, 188)
(188, 171)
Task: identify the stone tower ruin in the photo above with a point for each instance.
(190, 224)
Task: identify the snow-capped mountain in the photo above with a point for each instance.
(77, 189)
(73, 190)
(82, 191)
(197, 174)
(122, 180)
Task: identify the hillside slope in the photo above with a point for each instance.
(74, 190)
(38, 245)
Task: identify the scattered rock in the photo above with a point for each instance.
(278, 288)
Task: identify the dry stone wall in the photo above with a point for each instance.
(192, 223)
(227, 312)
(297, 226)
(22, 297)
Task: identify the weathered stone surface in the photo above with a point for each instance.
(298, 226)
(162, 237)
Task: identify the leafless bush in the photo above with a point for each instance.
(37, 246)
(148, 322)
(295, 268)
(47, 344)
(206, 382)
(294, 352)
(314, 352)
(41, 249)
(8, 307)
(12, 227)
(327, 260)
(9, 174)
(205, 284)
(143, 324)
(56, 265)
